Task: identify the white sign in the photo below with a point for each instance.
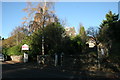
(25, 47)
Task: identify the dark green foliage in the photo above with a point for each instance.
(83, 37)
(72, 45)
(54, 34)
(114, 35)
(78, 44)
(108, 27)
(82, 34)
(54, 41)
(67, 45)
(15, 50)
(109, 33)
(4, 50)
(34, 43)
(114, 31)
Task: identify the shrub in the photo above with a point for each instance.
(15, 50)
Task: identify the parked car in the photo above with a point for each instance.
(2, 57)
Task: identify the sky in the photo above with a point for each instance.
(89, 14)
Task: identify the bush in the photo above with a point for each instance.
(15, 50)
(4, 50)
(115, 49)
(72, 45)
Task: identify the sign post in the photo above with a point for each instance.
(56, 59)
(25, 57)
(25, 47)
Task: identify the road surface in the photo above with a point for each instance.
(34, 71)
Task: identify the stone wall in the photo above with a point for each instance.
(17, 58)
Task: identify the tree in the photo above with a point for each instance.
(8, 43)
(106, 25)
(53, 34)
(92, 32)
(72, 45)
(109, 30)
(19, 34)
(42, 13)
(83, 36)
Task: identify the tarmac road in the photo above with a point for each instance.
(12, 70)
(26, 70)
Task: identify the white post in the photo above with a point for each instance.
(98, 55)
(42, 45)
(62, 58)
(102, 51)
(56, 59)
(25, 57)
